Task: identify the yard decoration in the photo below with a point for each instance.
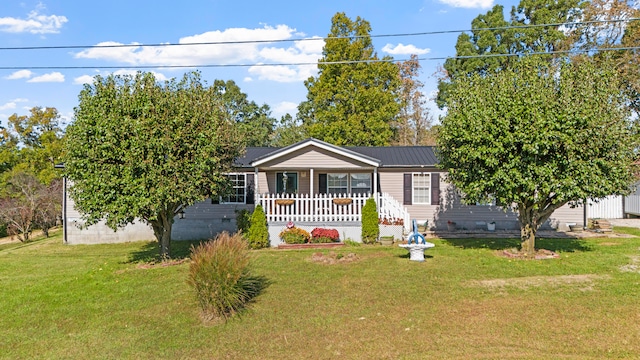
(416, 244)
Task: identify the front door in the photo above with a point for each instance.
(287, 182)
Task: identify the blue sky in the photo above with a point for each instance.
(71, 22)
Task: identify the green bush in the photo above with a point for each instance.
(219, 273)
(3, 230)
(258, 234)
(295, 235)
(370, 229)
(243, 220)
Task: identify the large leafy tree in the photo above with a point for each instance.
(493, 35)
(139, 149)
(354, 98)
(609, 25)
(547, 135)
(253, 122)
(32, 144)
(413, 124)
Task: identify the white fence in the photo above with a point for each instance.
(328, 207)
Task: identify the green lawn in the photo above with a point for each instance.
(99, 302)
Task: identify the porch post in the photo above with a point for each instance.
(311, 182)
(375, 182)
(256, 192)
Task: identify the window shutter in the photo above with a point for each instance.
(408, 190)
(322, 183)
(250, 189)
(435, 189)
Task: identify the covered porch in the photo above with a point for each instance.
(329, 208)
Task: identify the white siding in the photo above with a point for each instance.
(606, 208)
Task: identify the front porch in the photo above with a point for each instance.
(340, 211)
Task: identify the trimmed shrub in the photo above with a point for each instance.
(258, 234)
(370, 229)
(295, 235)
(320, 235)
(243, 220)
(219, 273)
(3, 230)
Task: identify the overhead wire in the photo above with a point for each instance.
(238, 42)
(458, 57)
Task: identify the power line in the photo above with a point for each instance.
(237, 42)
(557, 52)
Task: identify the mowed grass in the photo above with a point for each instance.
(463, 302)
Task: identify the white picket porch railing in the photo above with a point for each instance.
(327, 207)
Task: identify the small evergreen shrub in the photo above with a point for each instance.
(258, 234)
(294, 235)
(243, 220)
(219, 273)
(3, 230)
(320, 235)
(370, 229)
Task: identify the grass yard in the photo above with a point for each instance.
(102, 302)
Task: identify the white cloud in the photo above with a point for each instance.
(484, 4)
(20, 74)
(402, 49)
(51, 77)
(34, 23)
(308, 51)
(285, 107)
(88, 79)
(194, 54)
(12, 104)
(84, 79)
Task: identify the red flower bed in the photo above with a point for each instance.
(320, 235)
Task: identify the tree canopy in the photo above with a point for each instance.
(254, 122)
(139, 149)
(493, 35)
(546, 136)
(354, 100)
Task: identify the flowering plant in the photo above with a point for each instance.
(294, 235)
(451, 222)
(320, 235)
(391, 221)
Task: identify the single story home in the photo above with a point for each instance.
(316, 184)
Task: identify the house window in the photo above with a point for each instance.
(344, 183)
(337, 183)
(421, 188)
(238, 191)
(360, 183)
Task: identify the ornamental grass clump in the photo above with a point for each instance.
(219, 273)
(320, 235)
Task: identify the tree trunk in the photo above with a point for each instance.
(162, 231)
(528, 239)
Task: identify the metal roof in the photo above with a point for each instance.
(388, 156)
